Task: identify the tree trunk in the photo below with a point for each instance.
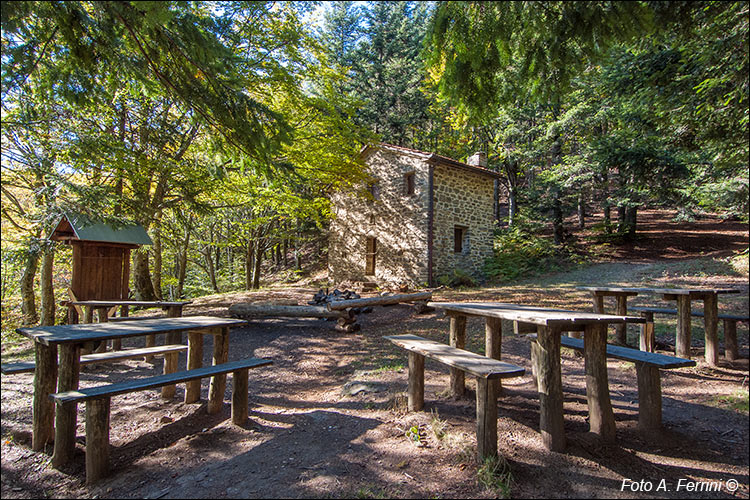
(259, 251)
(631, 214)
(581, 211)
(512, 205)
(557, 219)
(28, 305)
(249, 260)
(182, 264)
(144, 288)
(211, 269)
(156, 278)
(48, 293)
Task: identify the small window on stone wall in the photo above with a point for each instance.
(460, 239)
(409, 186)
(374, 190)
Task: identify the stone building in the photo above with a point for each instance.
(423, 216)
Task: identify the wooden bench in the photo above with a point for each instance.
(730, 328)
(647, 366)
(98, 404)
(486, 370)
(169, 352)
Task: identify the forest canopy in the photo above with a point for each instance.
(223, 127)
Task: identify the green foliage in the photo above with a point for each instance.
(456, 279)
(520, 251)
(494, 474)
(738, 401)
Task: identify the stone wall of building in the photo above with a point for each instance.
(461, 198)
(397, 221)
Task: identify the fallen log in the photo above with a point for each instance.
(283, 311)
(379, 301)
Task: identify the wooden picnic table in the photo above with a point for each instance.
(62, 375)
(683, 297)
(550, 324)
(104, 308)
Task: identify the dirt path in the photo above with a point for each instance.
(309, 436)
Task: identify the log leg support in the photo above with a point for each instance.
(194, 360)
(218, 382)
(730, 339)
(493, 338)
(45, 380)
(621, 329)
(549, 383)
(649, 397)
(601, 416)
(682, 342)
(416, 382)
(150, 342)
(486, 418)
(648, 340)
(239, 396)
(170, 366)
(457, 340)
(66, 416)
(97, 439)
(711, 324)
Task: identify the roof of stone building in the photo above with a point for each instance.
(432, 157)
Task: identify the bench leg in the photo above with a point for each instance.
(711, 327)
(457, 340)
(486, 418)
(66, 416)
(218, 382)
(97, 439)
(649, 397)
(601, 416)
(194, 360)
(730, 339)
(682, 342)
(45, 380)
(534, 362)
(239, 396)
(648, 339)
(170, 366)
(493, 338)
(150, 342)
(549, 382)
(416, 382)
(621, 329)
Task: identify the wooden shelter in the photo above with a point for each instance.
(101, 256)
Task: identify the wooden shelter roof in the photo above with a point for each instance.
(81, 228)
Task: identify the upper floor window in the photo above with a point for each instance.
(409, 185)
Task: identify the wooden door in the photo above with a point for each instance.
(370, 252)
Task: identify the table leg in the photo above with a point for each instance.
(174, 337)
(219, 382)
(549, 383)
(66, 416)
(682, 342)
(103, 315)
(730, 339)
(88, 317)
(598, 302)
(493, 338)
(648, 340)
(601, 417)
(45, 380)
(621, 329)
(711, 325)
(458, 340)
(194, 360)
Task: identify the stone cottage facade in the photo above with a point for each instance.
(422, 217)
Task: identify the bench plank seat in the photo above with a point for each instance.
(99, 357)
(63, 398)
(98, 404)
(627, 354)
(663, 310)
(475, 364)
(487, 371)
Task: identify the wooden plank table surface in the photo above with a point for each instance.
(53, 375)
(683, 297)
(550, 323)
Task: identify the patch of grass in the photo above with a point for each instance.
(738, 402)
(389, 368)
(438, 426)
(494, 474)
(370, 491)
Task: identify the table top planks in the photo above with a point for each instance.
(134, 303)
(669, 291)
(85, 332)
(475, 364)
(536, 315)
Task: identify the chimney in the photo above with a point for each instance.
(478, 159)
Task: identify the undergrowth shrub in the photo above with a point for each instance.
(457, 278)
(520, 251)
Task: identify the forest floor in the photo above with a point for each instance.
(328, 419)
